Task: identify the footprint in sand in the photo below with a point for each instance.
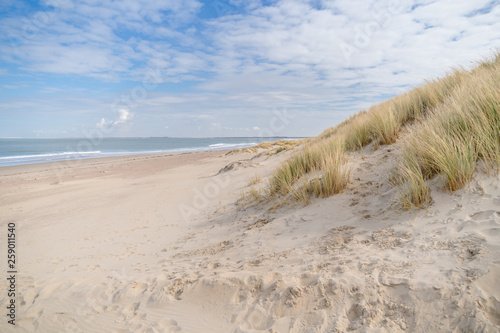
(169, 325)
(312, 321)
(484, 215)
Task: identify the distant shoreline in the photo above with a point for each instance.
(14, 152)
(191, 157)
(162, 137)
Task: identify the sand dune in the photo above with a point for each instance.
(164, 244)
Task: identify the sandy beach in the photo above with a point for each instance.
(165, 243)
(230, 166)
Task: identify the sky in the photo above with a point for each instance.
(215, 68)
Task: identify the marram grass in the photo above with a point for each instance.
(455, 123)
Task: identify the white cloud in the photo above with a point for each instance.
(102, 123)
(105, 40)
(293, 50)
(123, 117)
(324, 58)
(290, 43)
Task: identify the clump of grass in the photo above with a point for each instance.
(334, 175)
(356, 134)
(279, 150)
(414, 192)
(255, 180)
(251, 195)
(384, 125)
(340, 128)
(324, 162)
(284, 144)
(254, 193)
(301, 193)
(264, 145)
(454, 136)
(294, 168)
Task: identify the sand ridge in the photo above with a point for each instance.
(167, 245)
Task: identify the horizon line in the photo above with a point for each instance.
(161, 137)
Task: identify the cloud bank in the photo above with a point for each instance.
(225, 65)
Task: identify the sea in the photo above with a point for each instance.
(31, 151)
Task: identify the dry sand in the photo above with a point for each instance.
(163, 244)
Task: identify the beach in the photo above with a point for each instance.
(250, 166)
(170, 243)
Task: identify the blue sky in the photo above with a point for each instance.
(223, 67)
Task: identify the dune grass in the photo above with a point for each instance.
(255, 180)
(325, 159)
(455, 136)
(455, 123)
(411, 184)
(280, 144)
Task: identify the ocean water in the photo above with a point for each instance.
(31, 151)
